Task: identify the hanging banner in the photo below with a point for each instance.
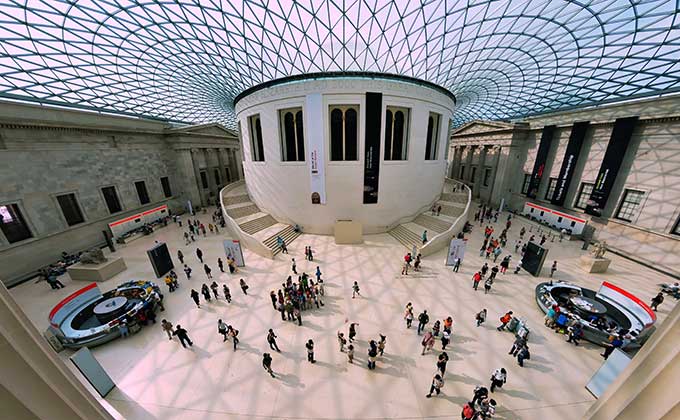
(315, 138)
(372, 141)
(456, 250)
(578, 133)
(541, 158)
(232, 249)
(611, 163)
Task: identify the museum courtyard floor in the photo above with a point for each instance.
(157, 378)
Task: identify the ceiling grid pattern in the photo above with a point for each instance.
(186, 61)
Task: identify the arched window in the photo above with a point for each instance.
(396, 133)
(344, 132)
(256, 145)
(292, 135)
(432, 139)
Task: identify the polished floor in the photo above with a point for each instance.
(157, 378)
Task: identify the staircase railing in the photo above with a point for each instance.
(248, 240)
(443, 239)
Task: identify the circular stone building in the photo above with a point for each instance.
(362, 147)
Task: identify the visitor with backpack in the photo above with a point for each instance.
(437, 384)
(498, 378)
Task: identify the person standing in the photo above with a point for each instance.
(350, 353)
(442, 360)
(656, 301)
(484, 269)
(222, 329)
(487, 284)
(271, 339)
(273, 298)
(220, 264)
(505, 319)
(575, 333)
(553, 268)
(167, 327)
(494, 273)
(213, 287)
(439, 210)
(381, 344)
(522, 355)
(505, 263)
(428, 342)
(207, 270)
(498, 379)
(233, 333)
(293, 266)
(244, 286)
(408, 316)
(310, 351)
(180, 256)
(480, 317)
(187, 271)
(352, 331)
(342, 341)
(476, 278)
(194, 296)
(205, 292)
(423, 319)
(355, 290)
(199, 254)
(227, 293)
(446, 339)
(456, 265)
(615, 344)
(437, 384)
(372, 354)
(181, 333)
(318, 274)
(424, 237)
(267, 363)
(481, 392)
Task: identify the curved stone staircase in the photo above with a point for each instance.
(441, 228)
(256, 229)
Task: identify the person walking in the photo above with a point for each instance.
(505, 319)
(194, 296)
(284, 248)
(318, 274)
(615, 344)
(273, 298)
(293, 266)
(205, 292)
(355, 290)
(267, 363)
(476, 278)
(494, 272)
(181, 333)
(523, 355)
(456, 265)
(481, 392)
(180, 256)
(424, 237)
(575, 333)
(519, 343)
(381, 344)
(220, 264)
(480, 317)
(199, 254)
(446, 338)
(187, 271)
(271, 339)
(207, 270)
(372, 354)
(352, 331)
(439, 210)
(498, 378)
(310, 351)
(423, 319)
(487, 284)
(656, 301)
(436, 327)
(213, 288)
(167, 327)
(505, 263)
(244, 286)
(428, 342)
(484, 269)
(222, 329)
(350, 353)
(227, 293)
(437, 384)
(408, 316)
(233, 333)
(553, 268)
(342, 341)
(442, 360)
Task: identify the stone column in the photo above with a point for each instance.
(188, 179)
(197, 176)
(647, 388)
(34, 378)
(220, 167)
(468, 162)
(212, 186)
(237, 164)
(479, 175)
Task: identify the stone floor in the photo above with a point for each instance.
(157, 378)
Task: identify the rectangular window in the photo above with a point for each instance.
(165, 184)
(462, 172)
(487, 176)
(344, 129)
(12, 224)
(111, 199)
(397, 127)
(552, 184)
(70, 209)
(292, 135)
(216, 172)
(472, 174)
(142, 193)
(525, 184)
(432, 139)
(584, 195)
(204, 179)
(256, 145)
(629, 204)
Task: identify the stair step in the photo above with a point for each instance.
(432, 223)
(242, 211)
(451, 211)
(288, 235)
(405, 236)
(236, 199)
(258, 224)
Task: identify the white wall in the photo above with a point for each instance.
(283, 188)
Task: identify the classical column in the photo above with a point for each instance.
(220, 167)
(197, 176)
(187, 178)
(647, 387)
(34, 378)
(237, 164)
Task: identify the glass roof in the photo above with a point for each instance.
(185, 60)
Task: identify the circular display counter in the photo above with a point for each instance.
(601, 314)
(89, 318)
(363, 147)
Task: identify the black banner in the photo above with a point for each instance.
(578, 133)
(372, 156)
(611, 163)
(541, 157)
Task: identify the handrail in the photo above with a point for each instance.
(442, 240)
(247, 239)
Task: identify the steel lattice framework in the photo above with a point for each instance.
(184, 60)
